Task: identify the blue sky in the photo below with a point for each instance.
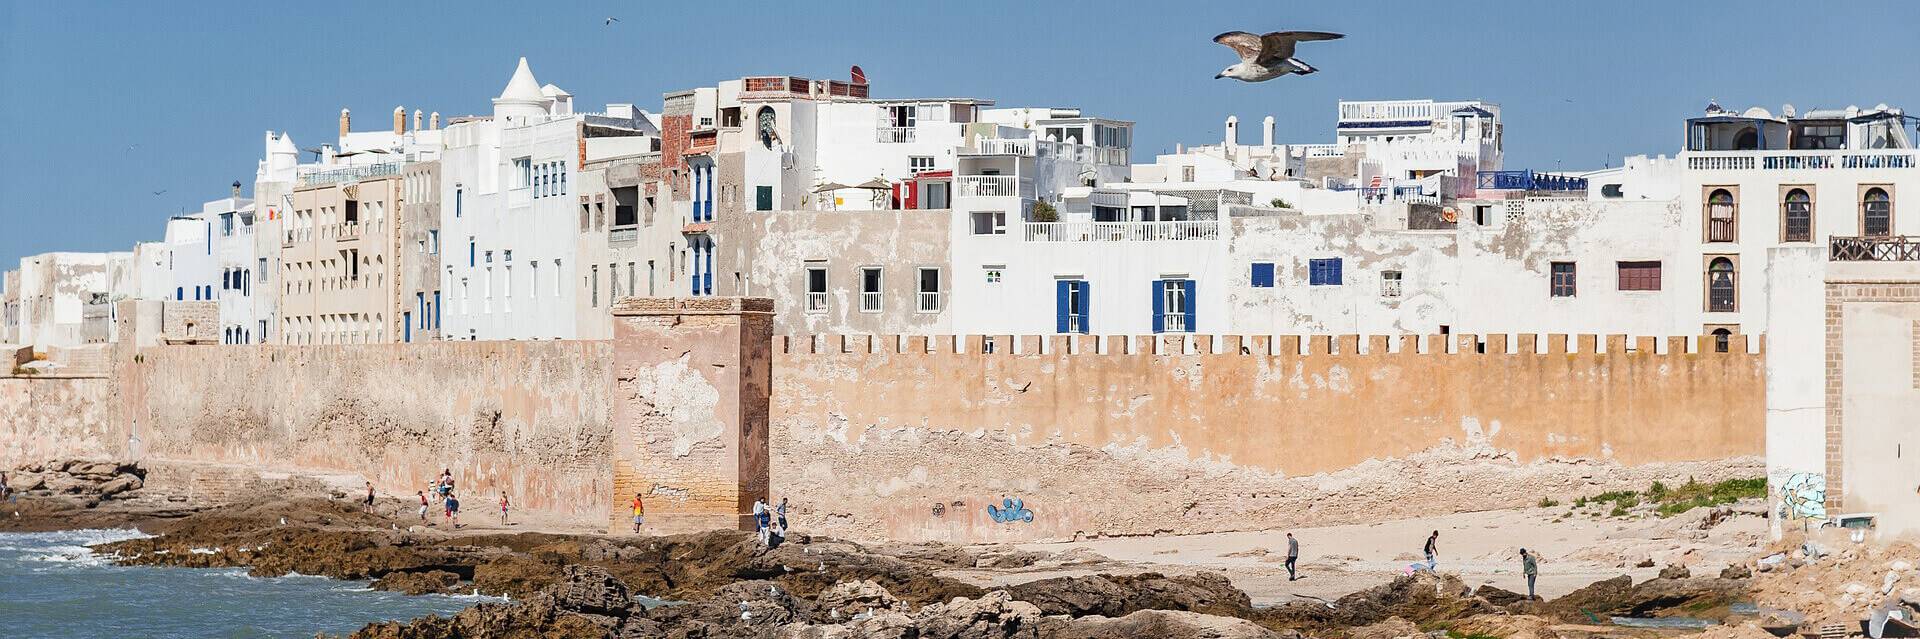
(107, 103)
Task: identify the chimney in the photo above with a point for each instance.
(346, 122)
(1266, 131)
(1233, 130)
(399, 120)
(236, 188)
(433, 121)
(1179, 148)
(416, 119)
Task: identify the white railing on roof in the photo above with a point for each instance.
(1391, 110)
(1068, 151)
(1321, 150)
(1121, 231)
(350, 174)
(994, 186)
(1001, 146)
(1801, 160)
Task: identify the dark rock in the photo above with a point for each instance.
(418, 582)
(1498, 596)
(1736, 571)
(591, 589)
(1119, 595)
(995, 615)
(1644, 563)
(119, 485)
(1675, 571)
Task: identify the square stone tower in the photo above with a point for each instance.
(692, 380)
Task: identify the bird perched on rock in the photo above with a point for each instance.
(1265, 57)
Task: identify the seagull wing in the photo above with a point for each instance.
(1246, 44)
(1279, 44)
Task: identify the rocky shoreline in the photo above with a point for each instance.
(725, 584)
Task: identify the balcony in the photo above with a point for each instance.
(347, 231)
(627, 236)
(894, 134)
(993, 186)
(1121, 231)
(1068, 151)
(1001, 146)
(1528, 181)
(349, 174)
(1897, 248)
(1801, 160)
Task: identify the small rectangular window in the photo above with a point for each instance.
(917, 164)
(989, 223)
(1562, 279)
(1263, 274)
(870, 289)
(1390, 284)
(1639, 276)
(816, 289)
(1324, 272)
(1482, 214)
(929, 290)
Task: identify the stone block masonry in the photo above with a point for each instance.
(911, 438)
(691, 379)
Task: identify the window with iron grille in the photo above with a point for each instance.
(1876, 217)
(816, 289)
(1720, 216)
(1639, 276)
(1721, 286)
(1562, 279)
(870, 289)
(1798, 226)
(1390, 284)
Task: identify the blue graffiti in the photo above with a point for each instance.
(1804, 496)
(1010, 511)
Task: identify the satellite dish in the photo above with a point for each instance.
(1787, 110)
(859, 75)
(1757, 112)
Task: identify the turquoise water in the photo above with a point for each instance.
(51, 585)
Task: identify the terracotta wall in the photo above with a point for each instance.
(880, 437)
(529, 418)
(47, 417)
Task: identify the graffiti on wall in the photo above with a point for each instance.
(1804, 496)
(1009, 511)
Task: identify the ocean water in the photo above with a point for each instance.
(52, 585)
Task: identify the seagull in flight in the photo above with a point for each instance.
(610, 21)
(1265, 57)
(160, 192)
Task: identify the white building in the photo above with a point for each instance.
(512, 217)
(47, 297)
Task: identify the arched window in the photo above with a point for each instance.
(1876, 213)
(1797, 226)
(1720, 216)
(1720, 285)
(765, 124)
(1721, 337)
(1747, 140)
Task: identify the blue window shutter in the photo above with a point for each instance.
(179, 293)
(1337, 277)
(1159, 306)
(1193, 321)
(1061, 297)
(1263, 274)
(436, 309)
(1086, 306)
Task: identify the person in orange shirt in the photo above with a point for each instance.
(639, 512)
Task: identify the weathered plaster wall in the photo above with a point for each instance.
(917, 445)
(43, 418)
(529, 417)
(1872, 389)
(785, 243)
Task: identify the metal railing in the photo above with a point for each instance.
(894, 134)
(350, 174)
(1120, 231)
(1001, 146)
(929, 302)
(1801, 160)
(1895, 248)
(993, 186)
(870, 301)
(1529, 181)
(1320, 151)
(816, 302)
(1112, 155)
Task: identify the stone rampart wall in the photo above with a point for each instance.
(915, 439)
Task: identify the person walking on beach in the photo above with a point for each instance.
(760, 520)
(423, 504)
(782, 511)
(504, 505)
(453, 510)
(1529, 566)
(639, 513)
(369, 506)
(1433, 548)
(1293, 555)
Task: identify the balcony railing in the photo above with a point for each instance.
(994, 186)
(929, 302)
(1529, 181)
(623, 236)
(1897, 248)
(349, 174)
(1801, 160)
(869, 301)
(1720, 229)
(1321, 151)
(895, 134)
(816, 302)
(1121, 231)
(1001, 146)
(1111, 155)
